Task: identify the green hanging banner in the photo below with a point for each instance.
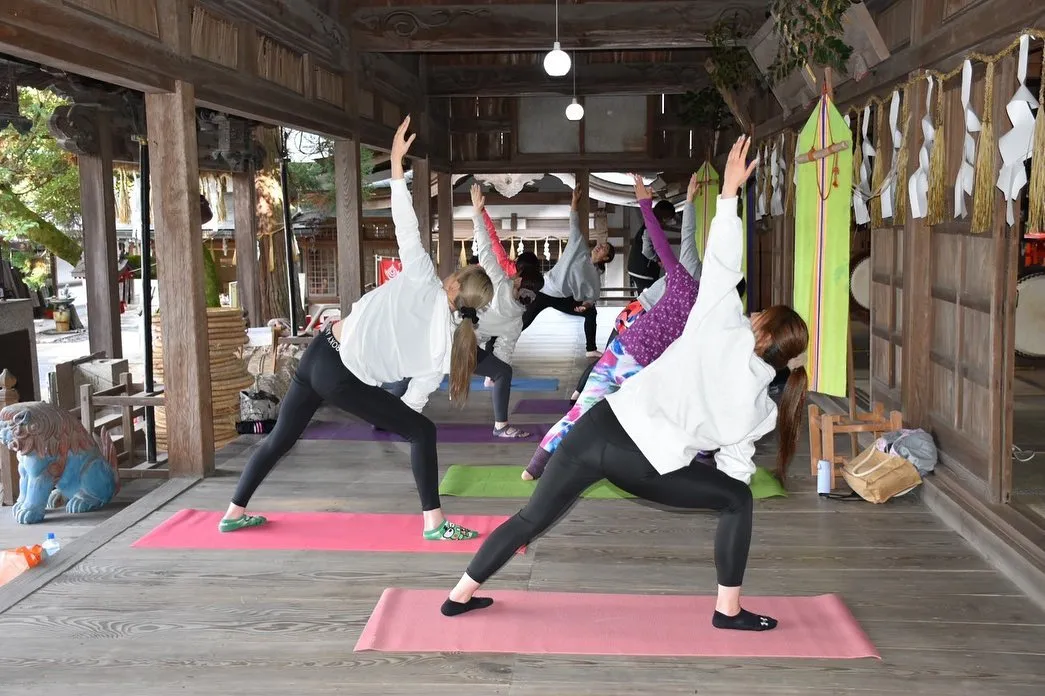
(823, 208)
(704, 203)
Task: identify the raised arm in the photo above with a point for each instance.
(498, 249)
(653, 229)
(688, 255)
(487, 255)
(417, 263)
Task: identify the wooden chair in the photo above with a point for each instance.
(129, 403)
(824, 427)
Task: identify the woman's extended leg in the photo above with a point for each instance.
(562, 484)
(295, 412)
(613, 369)
(489, 365)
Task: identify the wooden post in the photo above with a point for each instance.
(8, 459)
(244, 203)
(917, 292)
(446, 224)
(422, 192)
(348, 189)
(98, 212)
(584, 204)
(171, 119)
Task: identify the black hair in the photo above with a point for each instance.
(664, 210)
(612, 253)
(473, 260)
(527, 258)
(531, 280)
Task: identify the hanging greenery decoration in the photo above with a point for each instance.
(811, 33)
(705, 109)
(731, 65)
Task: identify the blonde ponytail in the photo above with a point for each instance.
(476, 292)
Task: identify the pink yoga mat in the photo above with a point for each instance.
(567, 623)
(315, 531)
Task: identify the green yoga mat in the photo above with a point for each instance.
(501, 481)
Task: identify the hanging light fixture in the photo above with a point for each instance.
(556, 61)
(574, 112)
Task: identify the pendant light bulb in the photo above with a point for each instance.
(574, 112)
(557, 61)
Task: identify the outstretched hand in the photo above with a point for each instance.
(642, 193)
(737, 168)
(576, 198)
(400, 147)
(478, 199)
(691, 191)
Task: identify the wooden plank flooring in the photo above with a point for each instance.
(260, 623)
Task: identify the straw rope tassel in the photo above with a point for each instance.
(222, 211)
(858, 152)
(1036, 208)
(462, 261)
(984, 194)
(878, 172)
(902, 160)
(791, 142)
(938, 166)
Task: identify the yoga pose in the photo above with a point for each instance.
(500, 324)
(413, 326)
(688, 257)
(707, 391)
(518, 267)
(573, 285)
(643, 269)
(640, 345)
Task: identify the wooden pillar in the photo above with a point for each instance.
(171, 119)
(584, 205)
(422, 192)
(446, 224)
(348, 188)
(244, 203)
(98, 213)
(8, 459)
(917, 291)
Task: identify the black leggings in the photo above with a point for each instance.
(321, 376)
(565, 305)
(587, 371)
(486, 365)
(596, 448)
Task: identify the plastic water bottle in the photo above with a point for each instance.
(823, 477)
(51, 545)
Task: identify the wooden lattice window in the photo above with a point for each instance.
(321, 270)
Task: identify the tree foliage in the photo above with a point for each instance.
(39, 181)
(312, 183)
(811, 34)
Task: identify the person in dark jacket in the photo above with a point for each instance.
(643, 269)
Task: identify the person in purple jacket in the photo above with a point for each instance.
(640, 345)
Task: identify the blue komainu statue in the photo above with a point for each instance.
(58, 460)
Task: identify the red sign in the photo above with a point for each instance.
(387, 268)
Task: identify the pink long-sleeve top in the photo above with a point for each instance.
(654, 331)
(502, 257)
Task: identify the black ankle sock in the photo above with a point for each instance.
(744, 621)
(452, 608)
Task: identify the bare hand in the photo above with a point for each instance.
(576, 198)
(691, 191)
(641, 192)
(401, 144)
(581, 308)
(478, 199)
(737, 168)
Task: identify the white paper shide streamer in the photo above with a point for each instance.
(889, 185)
(760, 184)
(862, 190)
(776, 204)
(918, 186)
(1017, 145)
(967, 171)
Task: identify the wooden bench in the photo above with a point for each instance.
(823, 429)
(130, 402)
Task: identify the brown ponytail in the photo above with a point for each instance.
(789, 418)
(476, 292)
(780, 336)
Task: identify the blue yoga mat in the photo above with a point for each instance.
(522, 384)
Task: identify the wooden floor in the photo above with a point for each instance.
(127, 621)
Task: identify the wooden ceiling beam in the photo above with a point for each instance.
(592, 79)
(413, 27)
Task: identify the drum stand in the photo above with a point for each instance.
(824, 428)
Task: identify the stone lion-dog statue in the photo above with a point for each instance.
(58, 460)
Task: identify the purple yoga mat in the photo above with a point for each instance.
(551, 407)
(449, 433)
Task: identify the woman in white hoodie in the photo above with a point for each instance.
(707, 391)
(573, 284)
(415, 326)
